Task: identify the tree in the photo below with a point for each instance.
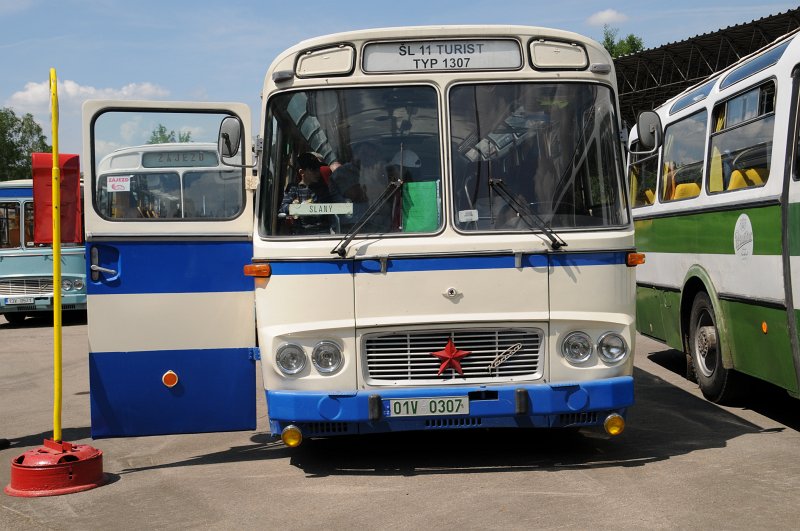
(618, 47)
(19, 137)
(160, 135)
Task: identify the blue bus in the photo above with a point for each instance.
(26, 268)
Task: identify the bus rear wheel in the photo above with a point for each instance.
(717, 383)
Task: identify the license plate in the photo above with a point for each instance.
(19, 300)
(426, 407)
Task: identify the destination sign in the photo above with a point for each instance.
(175, 159)
(442, 55)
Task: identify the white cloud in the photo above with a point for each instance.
(35, 97)
(608, 16)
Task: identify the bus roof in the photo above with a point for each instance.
(759, 60)
(17, 183)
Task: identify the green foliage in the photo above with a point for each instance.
(618, 47)
(160, 135)
(19, 137)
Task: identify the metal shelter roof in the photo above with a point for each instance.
(650, 77)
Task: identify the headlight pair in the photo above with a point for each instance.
(69, 285)
(577, 347)
(326, 357)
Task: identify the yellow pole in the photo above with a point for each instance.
(56, 262)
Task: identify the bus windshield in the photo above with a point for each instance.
(553, 147)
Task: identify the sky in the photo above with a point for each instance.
(219, 51)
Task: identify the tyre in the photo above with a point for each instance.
(717, 383)
(15, 318)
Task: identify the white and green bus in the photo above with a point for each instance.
(715, 193)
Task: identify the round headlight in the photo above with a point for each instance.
(612, 347)
(78, 283)
(291, 359)
(66, 285)
(576, 347)
(327, 357)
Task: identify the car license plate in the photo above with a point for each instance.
(426, 407)
(19, 300)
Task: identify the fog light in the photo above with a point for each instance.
(612, 347)
(291, 359)
(576, 347)
(614, 424)
(327, 357)
(291, 436)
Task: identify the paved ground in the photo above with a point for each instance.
(682, 463)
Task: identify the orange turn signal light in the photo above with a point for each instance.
(258, 270)
(634, 259)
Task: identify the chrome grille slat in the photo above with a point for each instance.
(26, 286)
(407, 356)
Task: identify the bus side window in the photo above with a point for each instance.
(684, 143)
(643, 175)
(742, 140)
(9, 225)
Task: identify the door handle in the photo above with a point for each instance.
(94, 258)
(107, 271)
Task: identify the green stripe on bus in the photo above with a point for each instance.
(794, 229)
(764, 355)
(710, 232)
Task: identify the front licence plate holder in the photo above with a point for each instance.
(19, 300)
(437, 406)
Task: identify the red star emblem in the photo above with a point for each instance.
(451, 357)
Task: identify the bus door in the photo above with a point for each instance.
(168, 231)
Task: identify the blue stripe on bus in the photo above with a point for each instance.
(209, 267)
(171, 267)
(450, 263)
(16, 192)
(588, 259)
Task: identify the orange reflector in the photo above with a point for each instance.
(258, 270)
(764, 326)
(635, 259)
(170, 379)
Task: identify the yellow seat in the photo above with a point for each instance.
(649, 196)
(749, 178)
(686, 190)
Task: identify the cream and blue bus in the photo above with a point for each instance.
(714, 186)
(26, 268)
(429, 230)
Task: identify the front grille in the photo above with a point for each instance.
(469, 422)
(324, 428)
(407, 356)
(578, 419)
(26, 286)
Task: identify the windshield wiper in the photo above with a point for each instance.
(527, 216)
(389, 191)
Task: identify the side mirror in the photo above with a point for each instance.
(648, 126)
(230, 137)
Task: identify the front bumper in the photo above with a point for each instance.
(552, 405)
(43, 303)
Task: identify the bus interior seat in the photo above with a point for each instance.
(686, 190)
(649, 196)
(716, 172)
(747, 178)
